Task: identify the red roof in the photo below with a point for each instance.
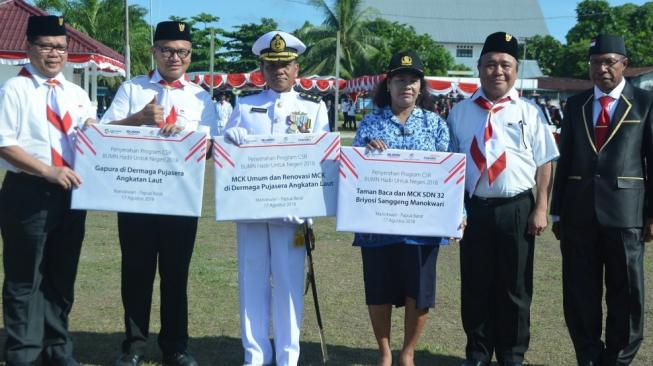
(632, 72)
(571, 85)
(563, 84)
(82, 48)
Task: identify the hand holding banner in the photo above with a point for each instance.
(270, 177)
(401, 192)
(135, 169)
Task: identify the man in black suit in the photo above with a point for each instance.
(602, 207)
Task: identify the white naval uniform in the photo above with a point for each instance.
(527, 140)
(22, 112)
(270, 266)
(224, 110)
(193, 104)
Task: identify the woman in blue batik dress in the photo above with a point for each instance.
(400, 270)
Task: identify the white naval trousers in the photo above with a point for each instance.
(270, 277)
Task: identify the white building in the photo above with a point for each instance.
(461, 26)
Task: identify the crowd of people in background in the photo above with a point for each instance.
(352, 110)
(552, 112)
(442, 104)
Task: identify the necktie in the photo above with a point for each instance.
(487, 150)
(170, 110)
(60, 128)
(603, 122)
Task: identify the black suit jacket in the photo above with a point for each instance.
(614, 183)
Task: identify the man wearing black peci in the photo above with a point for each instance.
(41, 235)
(509, 151)
(164, 98)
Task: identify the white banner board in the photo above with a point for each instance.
(270, 177)
(401, 192)
(135, 169)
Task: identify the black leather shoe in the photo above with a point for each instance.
(475, 363)
(179, 359)
(129, 359)
(512, 364)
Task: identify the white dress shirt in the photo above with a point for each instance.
(193, 104)
(23, 120)
(528, 142)
(614, 93)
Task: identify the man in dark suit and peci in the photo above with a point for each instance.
(602, 207)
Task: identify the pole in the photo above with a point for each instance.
(521, 71)
(309, 241)
(337, 86)
(127, 53)
(212, 59)
(151, 38)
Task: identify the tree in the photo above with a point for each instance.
(634, 23)
(201, 38)
(546, 50)
(397, 37)
(357, 44)
(638, 22)
(593, 17)
(573, 61)
(238, 47)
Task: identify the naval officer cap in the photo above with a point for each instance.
(278, 46)
(607, 43)
(172, 31)
(45, 25)
(501, 42)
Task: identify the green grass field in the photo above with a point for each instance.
(97, 318)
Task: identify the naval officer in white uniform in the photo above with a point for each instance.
(270, 263)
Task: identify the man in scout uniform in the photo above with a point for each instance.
(267, 250)
(167, 99)
(603, 208)
(509, 151)
(42, 236)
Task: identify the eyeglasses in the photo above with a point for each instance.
(609, 63)
(170, 52)
(47, 48)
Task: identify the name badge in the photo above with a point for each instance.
(258, 110)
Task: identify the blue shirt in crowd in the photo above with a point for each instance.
(423, 130)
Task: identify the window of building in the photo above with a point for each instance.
(464, 51)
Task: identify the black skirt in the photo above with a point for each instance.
(393, 272)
